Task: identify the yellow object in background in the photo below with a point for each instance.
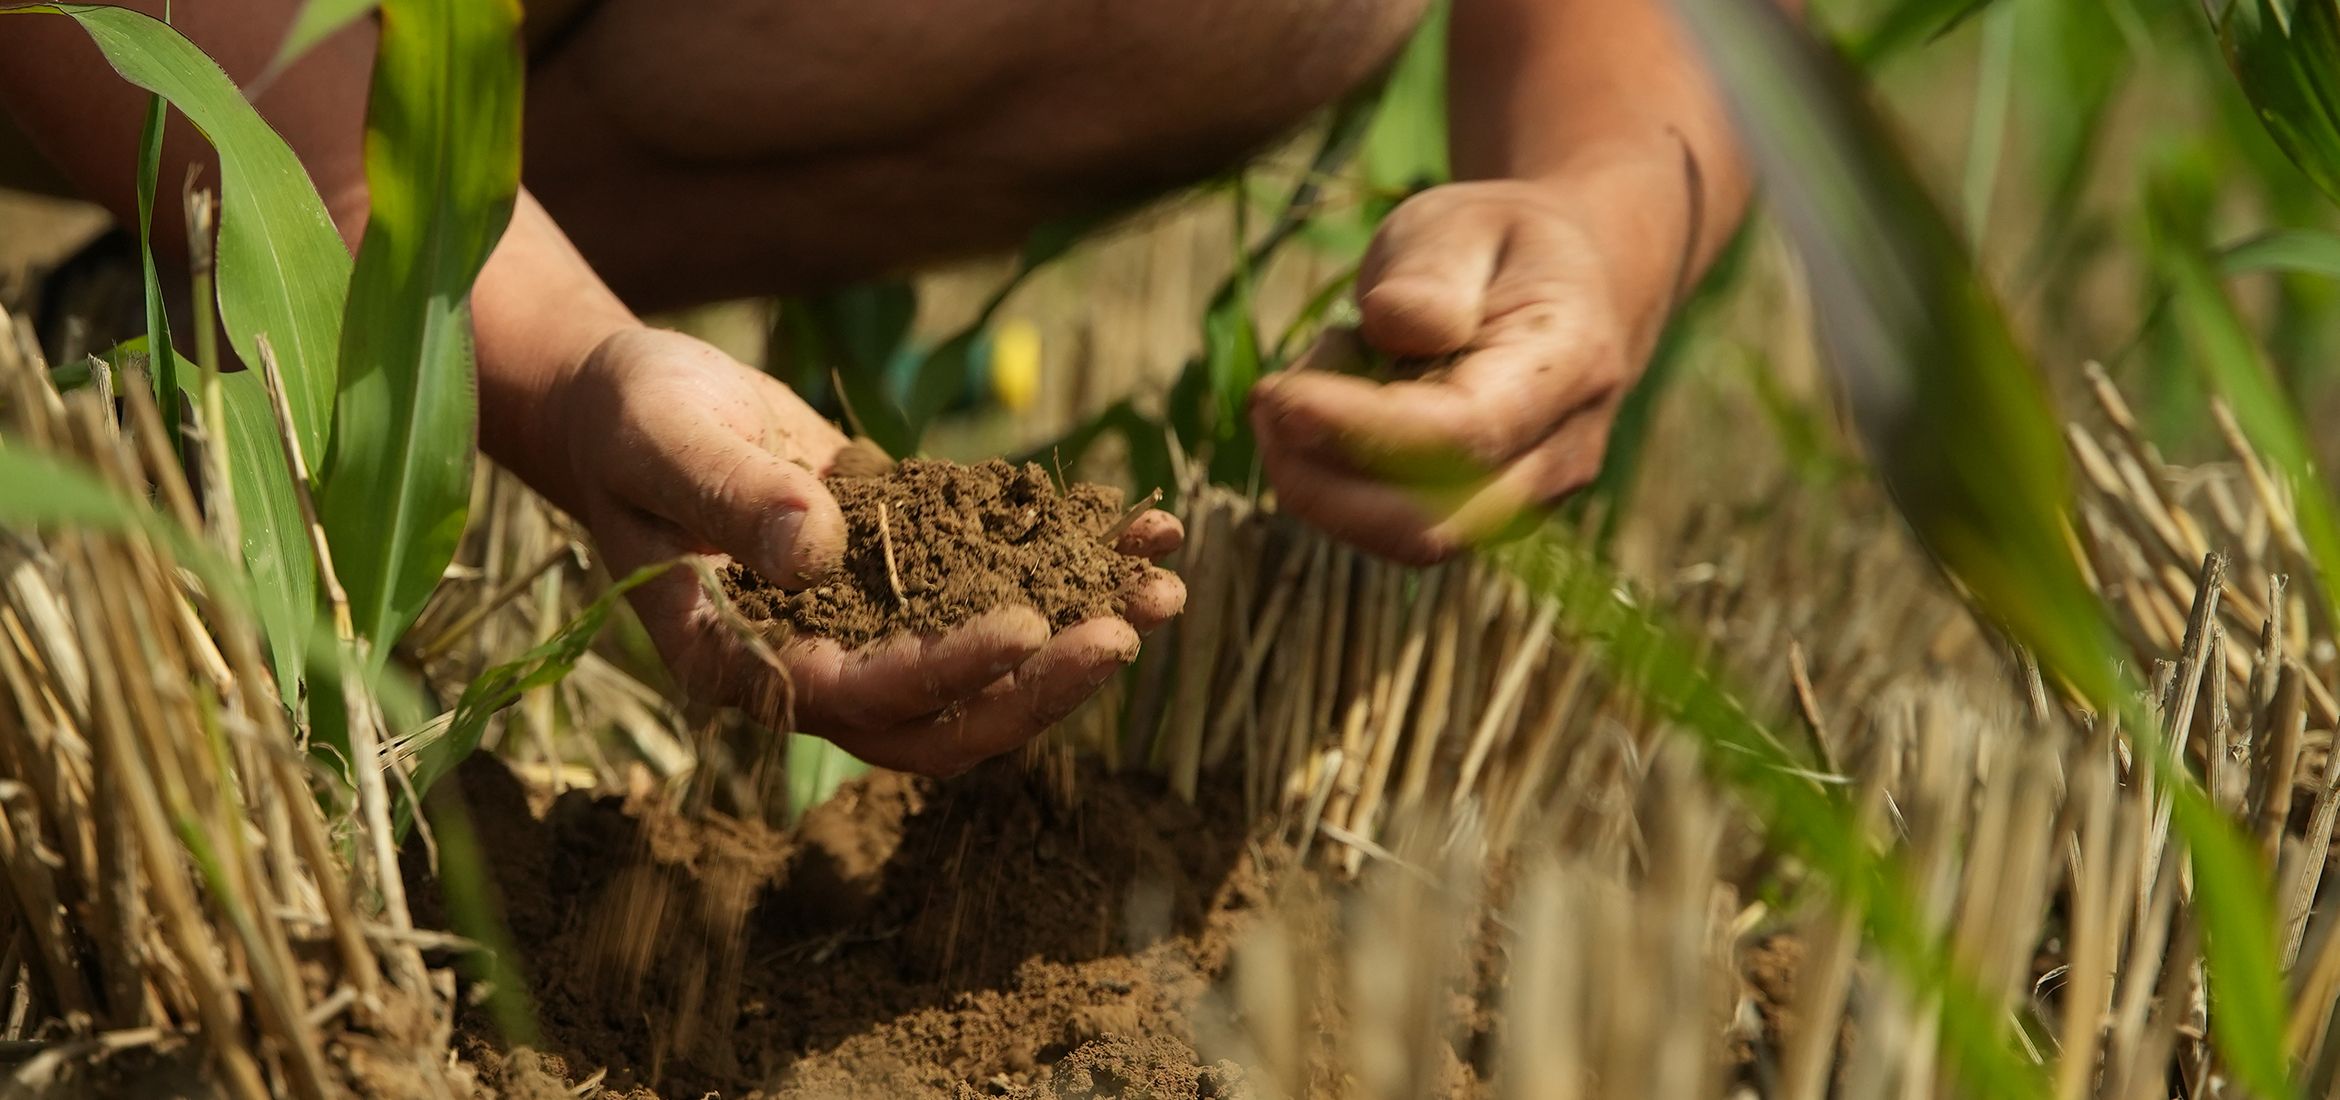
(1015, 363)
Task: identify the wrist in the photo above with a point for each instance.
(524, 397)
(1648, 215)
(538, 316)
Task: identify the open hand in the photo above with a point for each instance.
(1501, 278)
(676, 449)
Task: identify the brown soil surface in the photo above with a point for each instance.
(963, 540)
(972, 938)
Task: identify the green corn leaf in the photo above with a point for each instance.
(443, 170)
(2233, 896)
(437, 752)
(2286, 55)
(282, 267)
(276, 552)
(317, 21)
(1145, 442)
(816, 768)
(162, 362)
(1961, 430)
(274, 539)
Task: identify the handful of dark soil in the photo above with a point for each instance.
(931, 544)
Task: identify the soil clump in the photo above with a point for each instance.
(972, 938)
(930, 544)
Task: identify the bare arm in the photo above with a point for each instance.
(1606, 99)
(661, 445)
(1596, 177)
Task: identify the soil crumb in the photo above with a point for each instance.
(930, 544)
(978, 937)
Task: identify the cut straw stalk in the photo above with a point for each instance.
(1503, 707)
(366, 757)
(1239, 700)
(1393, 710)
(1437, 688)
(1207, 560)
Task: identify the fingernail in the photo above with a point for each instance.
(782, 532)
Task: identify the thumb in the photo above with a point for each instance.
(1422, 289)
(765, 512)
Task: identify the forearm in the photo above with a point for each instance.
(1608, 101)
(538, 311)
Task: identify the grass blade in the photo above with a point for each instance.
(2287, 251)
(443, 170)
(2286, 55)
(162, 360)
(501, 686)
(2234, 370)
(1911, 23)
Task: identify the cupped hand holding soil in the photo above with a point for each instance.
(974, 607)
(665, 448)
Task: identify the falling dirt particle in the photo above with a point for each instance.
(963, 540)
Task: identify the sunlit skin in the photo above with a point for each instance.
(678, 153)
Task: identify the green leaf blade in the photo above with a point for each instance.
(282, 266)
(443, 172)
(162, 361)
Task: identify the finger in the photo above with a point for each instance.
(707, 657)
(1501, 506)
(1422, 288)
(1374, 517)
(1420, 525)
(1485, 411)
(1010, 712)
(1154, 598)
(729, 495)
(1152, 535)
(900, 678)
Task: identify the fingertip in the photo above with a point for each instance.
(1010, 635)
(803, 541)
(1078, 662)
(1151, 535)
(1157, 597)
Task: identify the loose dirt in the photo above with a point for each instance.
(931, 544)
(980, 937)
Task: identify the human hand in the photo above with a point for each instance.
(673, 449)
(1507, 280)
